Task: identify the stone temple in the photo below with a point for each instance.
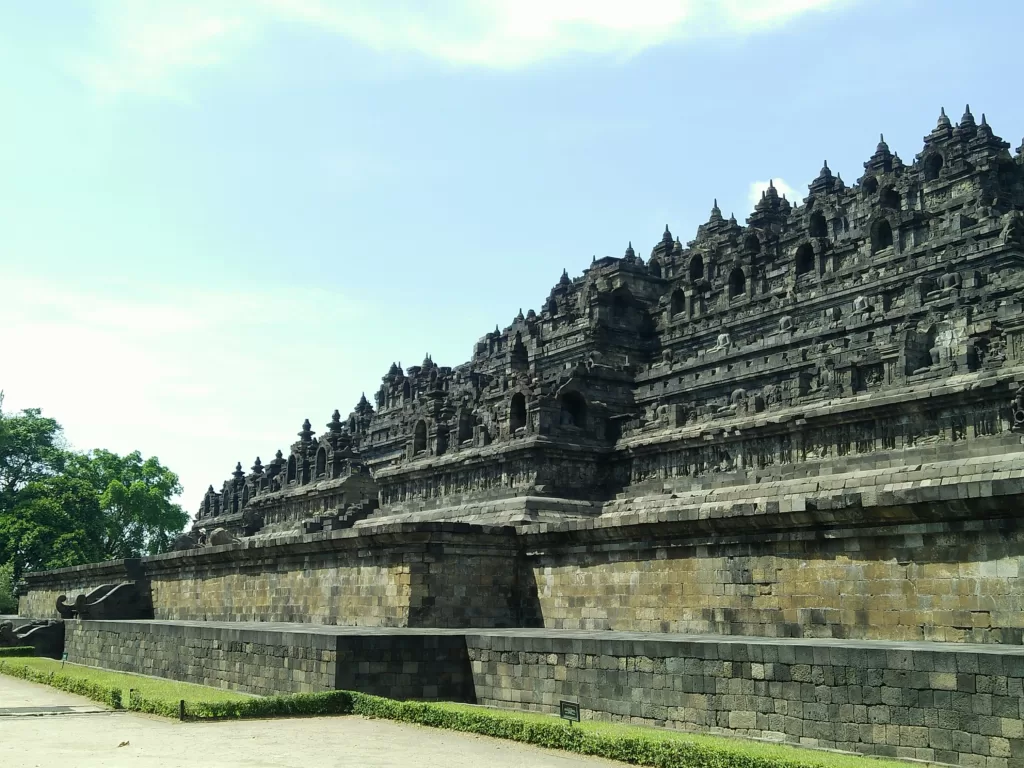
(764, 482)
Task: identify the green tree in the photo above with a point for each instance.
(135, 498)
(8, 601)
(60, 508)
(31, 447)
(54, 523)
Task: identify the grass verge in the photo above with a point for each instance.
(112, 688)
(625, 743)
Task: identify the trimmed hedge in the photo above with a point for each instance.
(101, 693)
(294, 705)
(18, 650)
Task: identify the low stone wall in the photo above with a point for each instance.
(927, 701)
(264, 662)
(269, 659)
(941, 702)
(397, 575)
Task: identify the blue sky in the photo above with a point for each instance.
(219, 218)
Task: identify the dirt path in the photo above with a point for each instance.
(90, 737)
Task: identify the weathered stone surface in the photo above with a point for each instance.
(940, 702)
(398, 575)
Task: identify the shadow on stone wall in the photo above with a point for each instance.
(419, 666)
(528, 608)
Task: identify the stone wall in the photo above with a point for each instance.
(957, 582)
(436, 575)
(39, 592)
(908, 552)
(270, 659)
(935, 702)
(263, 662)
(399, 665)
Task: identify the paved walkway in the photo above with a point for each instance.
(58, 729)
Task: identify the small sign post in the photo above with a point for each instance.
(569, 710)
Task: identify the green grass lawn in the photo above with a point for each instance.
(150, 687)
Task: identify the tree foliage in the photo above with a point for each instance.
(60, 508)
(8, 602)
(135, 496)
(31, 448)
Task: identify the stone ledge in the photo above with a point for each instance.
(575, 636)
(893, 399)
(117, 569)
(391, 536)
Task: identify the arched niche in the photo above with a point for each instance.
(817, 226)
(870, 185)
(465, 432)
(881, 236)
(933, 166)
(752, 245)
(321, 462)
(696, 270)
(419, 437)
(891, 199)
(737, 283)
(804, 263)
(291, 468)
(517, 412)
(573, 410)
(620, 304)
(677, 302)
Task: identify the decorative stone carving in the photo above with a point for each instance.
(1017, 410)
(106, 602)
(927, 293)
(723, 343)
(46, 636)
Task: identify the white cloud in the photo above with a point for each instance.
(146, 46)
(199, 379)
(758, 187)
